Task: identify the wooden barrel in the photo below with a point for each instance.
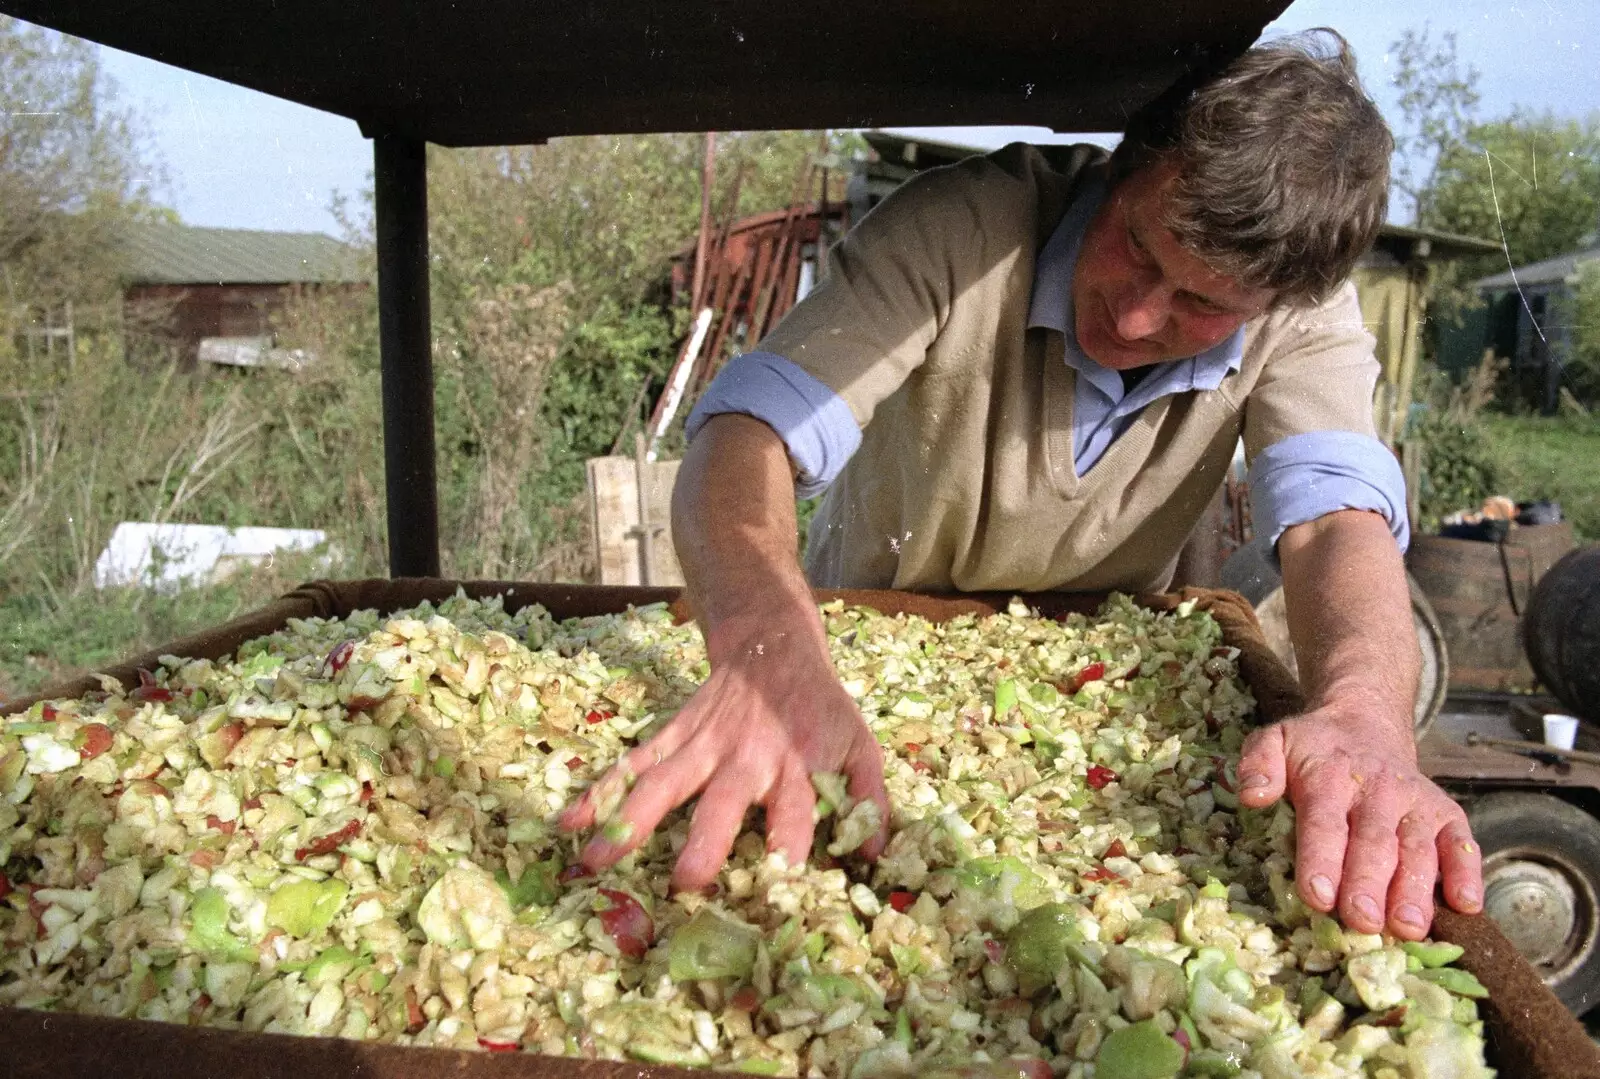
(1252, 573)
(1479, 591)
(1562, 630)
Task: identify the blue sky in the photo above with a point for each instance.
(235, 158)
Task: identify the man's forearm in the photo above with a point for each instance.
(1350, 614)
(734, 526)
(1373, 834)
(771, 712)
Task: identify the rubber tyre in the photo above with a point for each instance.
(1515, 826)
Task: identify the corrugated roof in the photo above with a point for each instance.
(1443, 244)
(1549, 272)
(183, 255)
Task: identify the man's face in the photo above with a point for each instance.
(1138, 296)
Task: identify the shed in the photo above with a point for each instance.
(1529, 319)
(1393, 282)
(212, 294)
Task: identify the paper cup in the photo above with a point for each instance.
(1560, 732)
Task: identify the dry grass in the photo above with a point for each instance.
(515, 336)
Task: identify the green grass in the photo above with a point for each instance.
(44, 643)
(1551, 457)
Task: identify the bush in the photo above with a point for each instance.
(44, 641)
(1551, 457)
(1459, 469)
(1583, 368)
(549, 334)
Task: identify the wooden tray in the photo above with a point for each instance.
(1530, 1033)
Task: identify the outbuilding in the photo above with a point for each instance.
(1529, 319)
(207, 295)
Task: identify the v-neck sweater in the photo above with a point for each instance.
(965, 476)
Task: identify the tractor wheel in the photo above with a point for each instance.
(1541, 876)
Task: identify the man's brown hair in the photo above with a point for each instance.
(1282, 162)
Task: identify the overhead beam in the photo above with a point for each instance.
(495, 72)
(400, 187)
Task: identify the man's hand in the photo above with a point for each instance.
(770, 715)
(1373, 833)
(773, 711)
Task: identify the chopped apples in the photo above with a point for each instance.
(350, 829)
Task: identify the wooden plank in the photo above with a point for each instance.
(729, 306)
(614, 508)
(614, 505)
(1447, 761)
(506, 72)
(659, 478)
(50, 1045)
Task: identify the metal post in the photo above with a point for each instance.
(400, 181)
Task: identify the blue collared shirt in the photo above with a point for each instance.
(1293, 481)
(1101, 410)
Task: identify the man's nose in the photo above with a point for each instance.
(1142, 310)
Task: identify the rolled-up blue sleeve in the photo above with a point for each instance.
(814, 422)
(1308, 475)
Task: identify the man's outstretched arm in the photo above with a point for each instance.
(1374, 834)
(772, 712)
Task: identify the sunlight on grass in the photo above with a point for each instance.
(1551, 457)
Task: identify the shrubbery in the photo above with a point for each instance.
(550, 330)
(1460, 470)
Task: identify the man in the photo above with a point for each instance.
(1029, 373)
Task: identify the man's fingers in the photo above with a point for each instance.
(1372, 855)
(581, 814)
(864, 768)
(1262, 767)
(791, 809)
(658, 792)
(1322, 800)
(732, 749)
(1411, 891)
(718, 819)
(612, 783)
(1461, 865)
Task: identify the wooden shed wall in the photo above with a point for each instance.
(182, 315)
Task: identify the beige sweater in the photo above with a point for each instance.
(965, 479)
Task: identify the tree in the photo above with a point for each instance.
(600, 214)
(595, 221)
(1437, 103)
(1531, 182)
(68, 169)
